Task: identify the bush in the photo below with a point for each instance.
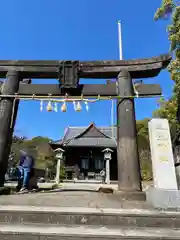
(146, 165)
(62, 173)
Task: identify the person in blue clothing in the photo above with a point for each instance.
(25, 167)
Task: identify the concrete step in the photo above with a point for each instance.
(43, 232)
(89, 216)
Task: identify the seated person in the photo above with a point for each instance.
(25, 167)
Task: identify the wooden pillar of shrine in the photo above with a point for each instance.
(7, 119)
(129, 177)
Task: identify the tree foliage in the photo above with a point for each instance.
(38, 147)
(171, 9)
(170, 108)
(144, 149)
(142, 133)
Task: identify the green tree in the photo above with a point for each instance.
(142, 133)
(144, 149)
(170, 8)
(169, 108)
(38, 147)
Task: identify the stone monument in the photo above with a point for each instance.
(162, 155)
(164, 193)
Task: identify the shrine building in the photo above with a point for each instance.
(83, 149)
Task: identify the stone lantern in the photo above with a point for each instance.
(107, 157)
(59, 157)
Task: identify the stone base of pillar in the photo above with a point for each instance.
(131, 196)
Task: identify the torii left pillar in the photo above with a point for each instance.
(10, 87)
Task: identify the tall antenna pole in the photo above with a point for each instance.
(120, 58)
(120, 40)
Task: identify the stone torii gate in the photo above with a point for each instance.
(68, 73)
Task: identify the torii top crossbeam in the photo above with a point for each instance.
(140, 68)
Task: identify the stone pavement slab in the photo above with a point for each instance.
(85, 210)
(77, 232)
(80, 185)
(70, 199)
(51, 216)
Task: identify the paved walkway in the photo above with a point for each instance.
(96, 186)
(76, 195)
(89, 232)
(79, 186)
(70, 199)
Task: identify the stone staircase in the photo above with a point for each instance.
(54, 223)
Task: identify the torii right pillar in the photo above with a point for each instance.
(129, 174)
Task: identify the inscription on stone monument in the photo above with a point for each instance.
(162, 155)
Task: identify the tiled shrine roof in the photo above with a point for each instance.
(88, 136)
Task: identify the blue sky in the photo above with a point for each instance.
(81, 30)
